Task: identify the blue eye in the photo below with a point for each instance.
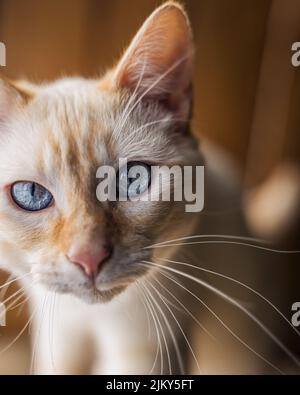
(31, 196)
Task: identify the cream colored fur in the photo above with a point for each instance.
(57, 135)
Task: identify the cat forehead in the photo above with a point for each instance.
(68, 88)
(57, 129)
(72, 96)
(69, 109)
(80, 109)
(74, 118)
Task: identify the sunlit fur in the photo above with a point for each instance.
(58, 135)
(59, 140)
(62, 133)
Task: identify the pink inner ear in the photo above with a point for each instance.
(160, 56)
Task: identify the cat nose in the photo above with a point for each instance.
(90, 262)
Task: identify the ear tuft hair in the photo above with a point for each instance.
(158, 63)
(12, 96)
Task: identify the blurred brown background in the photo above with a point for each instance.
(247, 91)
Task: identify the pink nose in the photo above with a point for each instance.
(90, 262)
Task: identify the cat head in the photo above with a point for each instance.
(54, 137)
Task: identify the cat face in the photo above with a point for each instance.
(54, 137)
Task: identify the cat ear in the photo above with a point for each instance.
(158, 63)
(12, 96)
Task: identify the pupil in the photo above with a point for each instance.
(32, 189)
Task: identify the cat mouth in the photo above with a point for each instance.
(103, 292)
(104, 296)
(90, 293)
(101, 289)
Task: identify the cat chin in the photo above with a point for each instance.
(99, 297)
(91, 295)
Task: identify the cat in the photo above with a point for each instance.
(106, 293)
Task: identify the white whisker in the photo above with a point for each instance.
(179, 326)
(146, 308)
(126, 112)
(21, 304)
(173, 337)
(20, 290)
(226, 326)
(19, 334)
(161, 326)
(157, 326)
(12, 305)
(236, 304)
(149, 124)
(184, 307)
(42, 314)
(157, 81)
(50, 328)
(236, 282)
(9, 282)
(228, 242)
(217, 236)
